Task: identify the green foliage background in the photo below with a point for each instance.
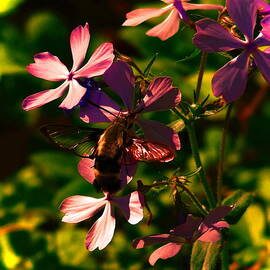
(36, 177)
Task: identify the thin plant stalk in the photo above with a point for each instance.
(193, 198)
(222, 153)
(200, 76)
(197, 158)
(190, 194)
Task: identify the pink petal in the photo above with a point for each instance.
(188, 228)
(216, 214)
(265, 23)
(161, 95)
(210, 236)
(151, 239)
(167, 28)
(86, 169)
(79, 41)
(262, 60)
(212, 37)
(262, 40)
(43, 97)
(101, 233)
(131, 206)
(78, 208)
(244, 14)
(121, 79)
(261, 4)
(48, 67)
(127, 173)
(138, 16)
(168, 1)
(98, 63)
(164, 252)
(230, 81)
(75, 93)
(188, 6)
(92, 114)
(158, 132)
(221, 224)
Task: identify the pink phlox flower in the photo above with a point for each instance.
(230, 81)
(86, 170)
(160, 95)
(49, 67)
(263, 7)
(78, 208)
(194, 228)
(265, 23)
(177, 12)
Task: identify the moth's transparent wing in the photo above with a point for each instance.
(81, 140)
(145, 150)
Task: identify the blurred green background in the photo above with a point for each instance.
(35, 176)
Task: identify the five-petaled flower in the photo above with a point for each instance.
(49, 67)
(206, 230)
(160, 95)
(230, 81)
(78, 208)
(170, 25)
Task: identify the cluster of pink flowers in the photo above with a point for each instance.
(229, 81)
(160, 141)
(160, 95)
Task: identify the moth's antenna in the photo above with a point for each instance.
(100, 107)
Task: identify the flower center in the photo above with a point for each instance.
(179, 6)
(70, 76)
(250, 46)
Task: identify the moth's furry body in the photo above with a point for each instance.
(109, 155)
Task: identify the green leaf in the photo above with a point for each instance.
(150, 64)
(241, 201)
(205, 255)
(195, 53)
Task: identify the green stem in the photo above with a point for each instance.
(196, 156)
(193, 197)
(224, 256)
(200, 76)
(222, 153)
(180, 114)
